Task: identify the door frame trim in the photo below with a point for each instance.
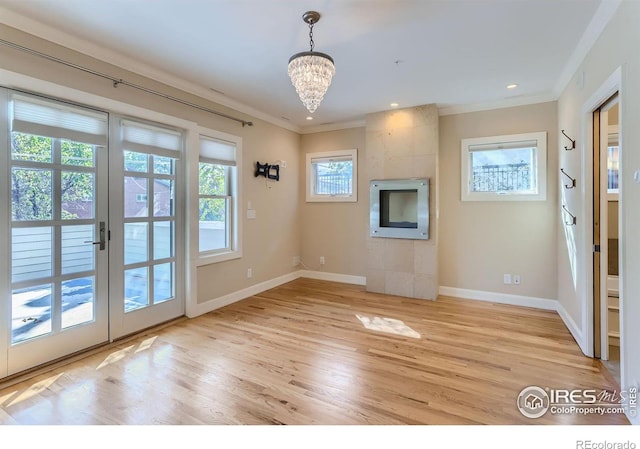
(609, 87)
(5, 252)
(18, 81)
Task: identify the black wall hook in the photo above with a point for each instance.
(573, 180)
(573, 142)
(572, 220)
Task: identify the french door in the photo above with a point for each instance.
(54, 236)
(147, 229)
(91, 228)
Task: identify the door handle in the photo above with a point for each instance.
(103, 241)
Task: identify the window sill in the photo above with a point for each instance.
(208, 259)
(485, 196)
(332, 199)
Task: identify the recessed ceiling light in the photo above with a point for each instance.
(512, 86)
(394, 105)
(309, 118)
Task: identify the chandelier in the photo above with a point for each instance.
(311, 71)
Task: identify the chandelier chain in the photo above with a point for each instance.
(311, 43)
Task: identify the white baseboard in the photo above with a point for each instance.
(501, 298)
(526, 301)
(334, 277)
(572, 326)
(239, 295)
(216, 303)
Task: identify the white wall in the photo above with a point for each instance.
(616, 48)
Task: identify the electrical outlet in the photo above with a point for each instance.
(283, 164)
(296, 261)
(321, 260)
(516, 279)
(249, 272)
(507, 279)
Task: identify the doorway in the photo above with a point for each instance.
(606, 241)
(91, 232)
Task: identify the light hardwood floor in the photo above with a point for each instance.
(301, 354)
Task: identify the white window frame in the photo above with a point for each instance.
(234, 218)
(311, 196)
(505, 140)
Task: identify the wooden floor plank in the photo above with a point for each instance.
(301, 354)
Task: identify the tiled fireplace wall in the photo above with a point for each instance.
(403, 144)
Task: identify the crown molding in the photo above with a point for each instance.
(501, 104)
(59, 37)
(332, 127)
(599, 21)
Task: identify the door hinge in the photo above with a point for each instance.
(596, 248)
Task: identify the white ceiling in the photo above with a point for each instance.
(413, 52)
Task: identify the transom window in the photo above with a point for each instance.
(504, 168)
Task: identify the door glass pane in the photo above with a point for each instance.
(136, 161)
(135, 243)
(77, 195)
(77, 254)
(135, 197)
(136, 288)
(162, 198)
(31, 253)
(31, 194)
(26, 147)
(162, 239)
(30, 312)
(77, 301)
(162, 282)
(76, 153)
(163, 165)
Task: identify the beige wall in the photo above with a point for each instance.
(336, 231)
(617, 47)
(403, 144)
(273, 238)
(481, 241)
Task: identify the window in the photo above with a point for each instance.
(332, 176)
(504, 168)
(218, 199)
(613, 166)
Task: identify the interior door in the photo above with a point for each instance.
(55, 230)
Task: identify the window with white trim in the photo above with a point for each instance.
(218, 199)
(332, 176)
(504, 168)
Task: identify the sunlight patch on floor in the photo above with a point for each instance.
(115, 356)
(35, 389)
(146, 343)
(387, 325)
